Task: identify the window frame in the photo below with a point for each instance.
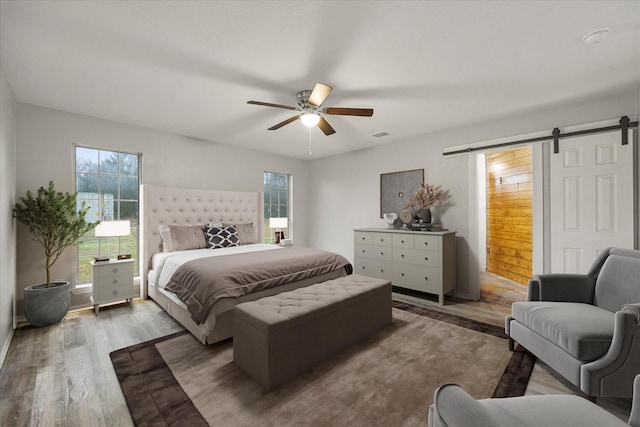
(269, 236)
(85, 286)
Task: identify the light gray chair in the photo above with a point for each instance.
(454, 407)
(585, 326)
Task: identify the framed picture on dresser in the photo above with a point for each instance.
(397, 187)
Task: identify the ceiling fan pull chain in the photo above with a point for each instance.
(309, 141)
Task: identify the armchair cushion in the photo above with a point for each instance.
(582, 330)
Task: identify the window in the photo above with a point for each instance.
(108, 182)
(276, 203)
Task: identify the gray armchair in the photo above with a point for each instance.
(585, 326)
(452, 406)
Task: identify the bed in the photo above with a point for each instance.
(180, 209)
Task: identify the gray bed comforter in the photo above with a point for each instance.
(203, 282)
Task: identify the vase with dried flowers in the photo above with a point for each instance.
(421, 202)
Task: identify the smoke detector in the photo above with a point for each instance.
(596, 36)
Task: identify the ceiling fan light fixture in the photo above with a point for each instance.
(310, 119)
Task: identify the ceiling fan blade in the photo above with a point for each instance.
(363, 112)
(325, 127)
(286, 122)
(268, 104)
(319, 94)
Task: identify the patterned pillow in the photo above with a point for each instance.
(220, 237)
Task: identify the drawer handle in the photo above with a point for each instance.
(363, 238)
(382, 240)
(115, 281)
(402, 274)
(426, 243)
(402, 241)
(402, 256)
(381, 253)
(115, 292)
(115, 270)
(426, 258)
(381, 271)
(426, 278)
(363, 267)
(363, 251)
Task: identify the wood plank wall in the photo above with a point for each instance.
(509, 199)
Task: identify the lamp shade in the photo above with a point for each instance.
(113, 229)
(278, 222)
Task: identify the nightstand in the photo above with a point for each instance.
(112, 282)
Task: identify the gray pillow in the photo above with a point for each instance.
(185, 237)
(246, 232)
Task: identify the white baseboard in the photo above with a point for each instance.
(5, 348)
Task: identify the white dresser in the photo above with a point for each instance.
(112, 282)
(421, 261)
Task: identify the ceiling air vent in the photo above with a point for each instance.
(380, 134)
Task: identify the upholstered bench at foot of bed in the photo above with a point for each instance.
(278, 337)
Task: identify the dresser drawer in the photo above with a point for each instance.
(114, 292)
(374, 268)
(120, 273)
(416, 256)
(425, 279)
(382, 239)
(403, 241)
(427, 242)
(374, 252)
(363, 237)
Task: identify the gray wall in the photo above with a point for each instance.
(332, 196)
(46, 139)
(346, 187)
(7, 227)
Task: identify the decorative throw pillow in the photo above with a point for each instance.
(221, 237)
(187, 237)
(246, 232)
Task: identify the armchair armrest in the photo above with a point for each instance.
(612, 374)
(453, 406)
(562, 288)
(634, 418)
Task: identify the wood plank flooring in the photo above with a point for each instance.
(61, 375)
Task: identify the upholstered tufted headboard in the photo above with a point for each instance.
(189, 206)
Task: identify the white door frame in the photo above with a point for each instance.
(540, 203)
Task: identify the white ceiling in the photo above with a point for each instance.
(188, 67)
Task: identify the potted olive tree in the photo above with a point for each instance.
(55, 222)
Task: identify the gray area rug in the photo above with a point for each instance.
(386, 380)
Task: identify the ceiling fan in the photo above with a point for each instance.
(311, 111)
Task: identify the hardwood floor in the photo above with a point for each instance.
(61, 375)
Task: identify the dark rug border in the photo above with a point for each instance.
(146, 380)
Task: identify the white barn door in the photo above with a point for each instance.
(591, 199)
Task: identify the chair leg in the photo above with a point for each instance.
(512, 345)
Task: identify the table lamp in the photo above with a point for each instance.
(114, 229)
(278, 223)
